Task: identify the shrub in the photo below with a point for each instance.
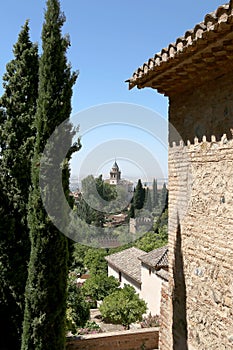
(150, 321)
(78, 310)
(91, 327)
(123, 307)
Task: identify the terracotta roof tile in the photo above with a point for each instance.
(127, 261)
(157, 258)
(193, 40)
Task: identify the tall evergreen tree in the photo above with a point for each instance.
(44, 317)
(164, 197)
(131, 211)
(18, 104)
(139, 196)
(155, 197)
(148, 203)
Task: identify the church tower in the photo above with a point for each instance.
(115, 174)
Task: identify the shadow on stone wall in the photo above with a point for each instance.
(179, 321)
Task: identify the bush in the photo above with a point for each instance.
(91, 327)
(98, 286)
(123, 307)
(78, 310)
(150, 321)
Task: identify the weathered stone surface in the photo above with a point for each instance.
(197, 77)
(196, 205)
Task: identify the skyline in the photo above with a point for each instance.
(109, 41)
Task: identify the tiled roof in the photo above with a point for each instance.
(209, 42)
(127, 261)
(163, 274)
(157, 258)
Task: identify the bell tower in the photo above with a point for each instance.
(115, 174)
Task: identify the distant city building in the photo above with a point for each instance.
(115, 178)
(115, 174)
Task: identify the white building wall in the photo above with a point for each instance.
(127, 280)
(113, 272)
(151, 289)
(124, 279)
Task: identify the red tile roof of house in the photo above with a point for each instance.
(209, 43)
(157, 258)
(127, 262)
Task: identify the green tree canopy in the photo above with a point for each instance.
(96, 194)
(123, 307)
(97, 287)
(78, 258)
(157, 238)
(78, 310)
(151, 240)
(95, 261)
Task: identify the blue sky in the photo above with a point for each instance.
(109, 40)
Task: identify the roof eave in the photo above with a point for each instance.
(177, 68)
(125, 272)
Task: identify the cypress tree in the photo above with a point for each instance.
(155, 201)
(164, 197)
(131, 211)
(139, 196)
(148, 204)
(44, 317)
(18, 104)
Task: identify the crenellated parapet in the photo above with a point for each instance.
(203, 145)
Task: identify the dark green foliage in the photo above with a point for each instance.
(139, 196)
(98, 286)
(150, 241)
(95, 189)
(164, 197)
(78, 258)
(84, 211)
(132, 211)
(105, 190)
(78, 310)
(18, 104)
(95, 194)
(161, 221)
(158, 238)
(155, 197)
(148, 202)
(44, 318)
(95, 261)
(123, 307)
(98, 218)
(91, 327)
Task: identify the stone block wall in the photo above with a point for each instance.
(199, 298)
(164, 334)
(205, 110)
(139, 339)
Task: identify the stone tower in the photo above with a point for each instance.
(196, 73)
(115, 174)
